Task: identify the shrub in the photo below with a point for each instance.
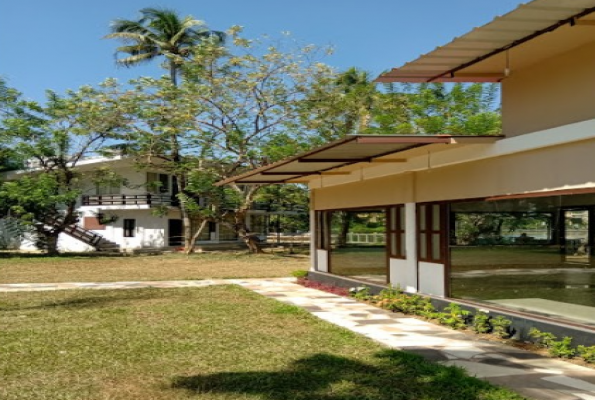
(360, 293)
(326, 288)
(427, 309)
(587, 353)
(481, 322)
(300, 274)
(543, 339)
(501, 327)
(454, 316)
(562, 348)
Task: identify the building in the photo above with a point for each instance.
(123, 217)
(505, 223)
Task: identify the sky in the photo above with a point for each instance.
(58, 45)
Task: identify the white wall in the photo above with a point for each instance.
(432, 278)
(322, 260)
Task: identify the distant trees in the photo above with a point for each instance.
(47, 142)
(226, 107)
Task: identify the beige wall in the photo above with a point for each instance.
(552, 168)
(396, 189)
(556, 92)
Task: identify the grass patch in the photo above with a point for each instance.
(230, 264)
(220, 342)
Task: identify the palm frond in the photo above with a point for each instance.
(136, 59)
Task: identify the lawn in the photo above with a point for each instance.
(219, 342)
(36, 268)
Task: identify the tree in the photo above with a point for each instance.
(237, 108)
(340, 104)
(160, 32)
(49, 141)
(436, 108)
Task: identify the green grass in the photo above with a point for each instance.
(364, 260)
(85, 268)
(219, 342)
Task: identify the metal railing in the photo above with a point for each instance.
(128, 199)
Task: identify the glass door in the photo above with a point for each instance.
(577, 240)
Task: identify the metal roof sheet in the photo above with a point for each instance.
(477, 55)
(331, 158)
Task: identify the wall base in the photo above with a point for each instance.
(521, 322)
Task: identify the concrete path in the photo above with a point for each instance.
(529, 374)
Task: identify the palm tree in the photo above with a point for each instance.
(159, 32)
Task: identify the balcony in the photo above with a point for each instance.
(147, 199)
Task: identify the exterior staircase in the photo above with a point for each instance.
(91, 238)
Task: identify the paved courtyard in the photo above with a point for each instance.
(531, 375)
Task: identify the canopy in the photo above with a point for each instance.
(517, 39)
(329, 159)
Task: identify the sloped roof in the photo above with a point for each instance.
(329, 159)
(510, 41)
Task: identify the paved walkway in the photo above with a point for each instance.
(527, 373)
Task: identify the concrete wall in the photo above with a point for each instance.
(551, 168)
(558, 91)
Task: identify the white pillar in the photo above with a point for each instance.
(313, 253)
(411, 278)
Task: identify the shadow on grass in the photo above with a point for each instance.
(11, 254)
(392, 375)
(79, 301)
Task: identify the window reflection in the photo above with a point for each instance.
(358, 244)
(530, 254)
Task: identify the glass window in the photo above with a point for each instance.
(431, 231)
(359, 245)
(534, 254)
(396, 230)
(129, 227)
(157, 183)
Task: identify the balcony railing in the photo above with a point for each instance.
(147, 199)
(270, 207)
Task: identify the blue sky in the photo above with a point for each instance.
(57, 44)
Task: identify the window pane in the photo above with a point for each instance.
(423, 250)
(422, 217)
(393, 245)
(436, 217)
(403, 252)
(436, 247)
(393, 218)
(401, 218)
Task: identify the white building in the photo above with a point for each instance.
(123, 216)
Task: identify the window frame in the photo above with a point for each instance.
(398, 233)
(427, 232)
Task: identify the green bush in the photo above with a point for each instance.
(454, 316)
(481, 322)
(543, 339)
(300, 273)
(360, 293)
(562, 348)
(587, 353)
(501, 326)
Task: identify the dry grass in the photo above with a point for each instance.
(216, 343)
(36, 269)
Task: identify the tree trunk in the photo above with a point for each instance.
(187, 229)
(345, 223)
(250, 239)
(190, 250)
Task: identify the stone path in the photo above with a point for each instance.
(529, 374)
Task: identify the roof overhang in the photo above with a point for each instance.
(517, 39)
(331, 158)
